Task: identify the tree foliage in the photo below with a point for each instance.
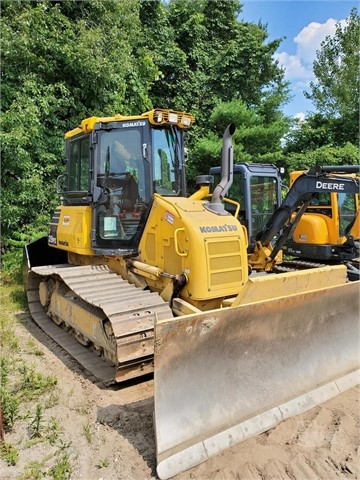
(207, 57)
(65, 60)
(62, 61)
(336, 93)
(256, 139)
(348, 154)
(217, 57)
(331, 134)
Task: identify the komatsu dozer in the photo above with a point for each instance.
(135, 277)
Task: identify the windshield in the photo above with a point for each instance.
(258, 196)
(130, 167)
(121, 173)
(263, 192)
(120, 154)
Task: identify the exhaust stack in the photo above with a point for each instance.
(227, 170)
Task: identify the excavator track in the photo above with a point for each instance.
(353, 267)
(296, 264)
(102, 321)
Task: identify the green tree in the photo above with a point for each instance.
(257, 138)
(207, 59)
(331, 134)
(348, 154)
(215, 57)
(336, 92)
(314, 132)
(61, 61)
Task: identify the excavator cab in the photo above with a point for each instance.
(257, 188)
(114, 165)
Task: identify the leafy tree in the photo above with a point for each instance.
(61, 61)
(331, 135)
(348, 154)
(314, 132)
(207, 57)
(215, 58)
(257, 138)
(336, 93)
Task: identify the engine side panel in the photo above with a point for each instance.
(209, 249)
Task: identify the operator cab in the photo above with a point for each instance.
(116, 164)
(257, 187)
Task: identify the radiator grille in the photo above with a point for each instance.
(225, 265)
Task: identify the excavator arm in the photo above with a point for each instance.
(306, 186)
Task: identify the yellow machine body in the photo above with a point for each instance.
(164, 283)
(73, 229)
(326, 219)
(181, 235)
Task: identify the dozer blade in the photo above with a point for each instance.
(226, 375)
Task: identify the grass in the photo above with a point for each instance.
(25, 395)
(9, 453)
(87, 432)
(103, 463)
(36, 426)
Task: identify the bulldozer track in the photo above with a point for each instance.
(105, 298)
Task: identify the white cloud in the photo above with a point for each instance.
(308, 41)
(293, 65)
(310, 38)
(300, 116)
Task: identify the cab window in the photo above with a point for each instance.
(166, 163)
(78, 165)
(347, 210)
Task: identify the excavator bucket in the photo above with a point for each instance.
(226, 375)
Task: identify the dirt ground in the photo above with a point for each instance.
(109, 433)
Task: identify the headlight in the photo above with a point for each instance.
(173, 118)
(158, 116)
(186, 120)
(161, 116)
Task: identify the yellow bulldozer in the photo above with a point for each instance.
(135, 277)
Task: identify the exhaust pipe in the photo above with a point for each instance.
(227, 171)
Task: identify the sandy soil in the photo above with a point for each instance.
(119, 440)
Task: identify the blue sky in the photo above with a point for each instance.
(305, 24)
